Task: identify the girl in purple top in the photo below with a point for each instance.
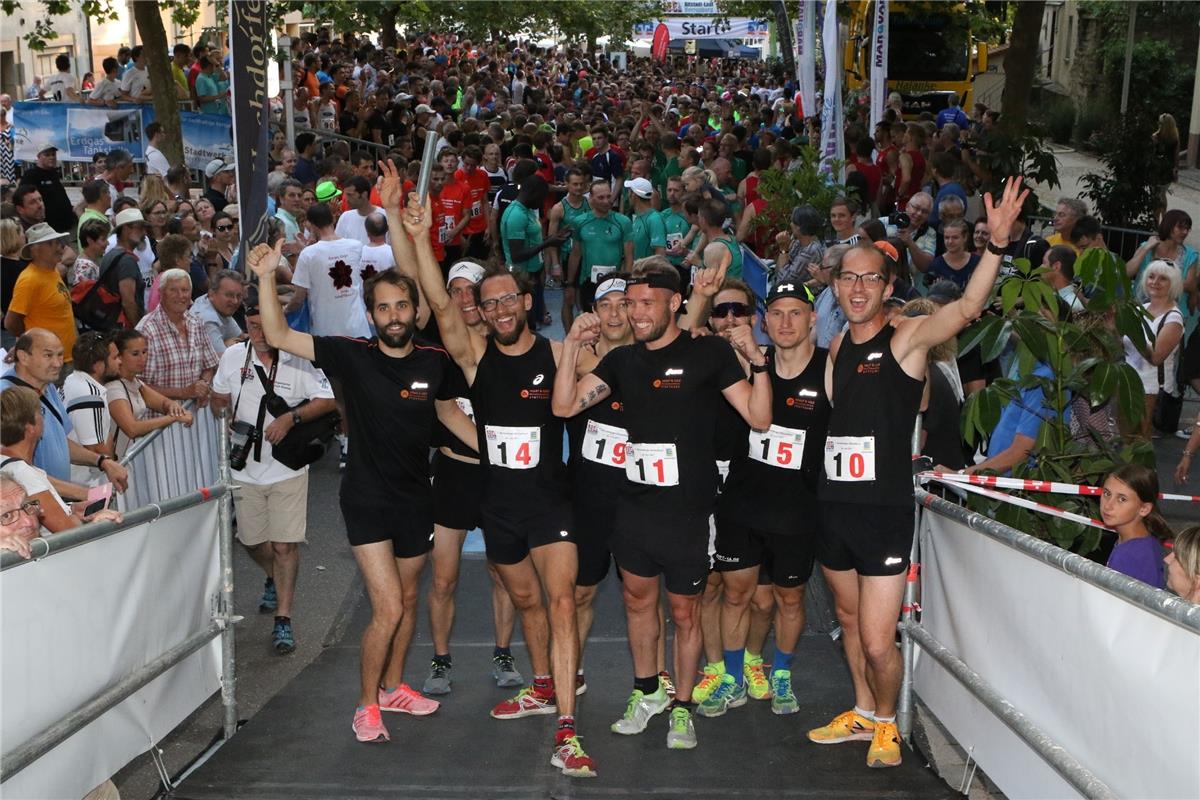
(1128, 505)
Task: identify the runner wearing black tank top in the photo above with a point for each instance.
(528, 529)
(670, 385)
(874, 378)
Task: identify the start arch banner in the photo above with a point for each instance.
(706, 28)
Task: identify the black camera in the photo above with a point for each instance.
(899, 219)
(242, 435)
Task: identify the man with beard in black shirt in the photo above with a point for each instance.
(394, 392)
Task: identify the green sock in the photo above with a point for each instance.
(753, 659)
(715, 667)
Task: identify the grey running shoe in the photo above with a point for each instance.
(505, 672)
(783, 700)
(727, 695)
(682, 733)
(639, 711)
(438, 681)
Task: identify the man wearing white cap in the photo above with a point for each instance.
(119, 271)
(649, 232)
(220, 174)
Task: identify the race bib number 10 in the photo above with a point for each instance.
(513, 448)
(652, 464)
(850, 458)
(778, 447)
(605, 444)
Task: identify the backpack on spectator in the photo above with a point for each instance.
(96, 306)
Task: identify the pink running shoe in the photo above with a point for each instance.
(407, 700)
(368, 725)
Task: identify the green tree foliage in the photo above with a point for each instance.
(806, 185)
(1087, 359)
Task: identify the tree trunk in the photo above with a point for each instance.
(784, 27)
(387, 23)
(1020, 65)
(158, 65)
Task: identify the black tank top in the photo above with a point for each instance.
(598, 475)
(875, 407)
(520, 439)
(764, 489)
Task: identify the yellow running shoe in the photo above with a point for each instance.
(845, 727)
(707, 685)
(885, 746)
(757, 684)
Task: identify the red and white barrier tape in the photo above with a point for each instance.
(1020, 501)
(1051, 487)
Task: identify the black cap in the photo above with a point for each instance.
(250, 300)
(790, 288)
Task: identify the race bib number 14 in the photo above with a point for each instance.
(513, 447)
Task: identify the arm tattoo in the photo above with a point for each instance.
(594, 395)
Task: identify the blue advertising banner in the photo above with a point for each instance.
(79, 131)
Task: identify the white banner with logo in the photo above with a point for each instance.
(879, 62)
(84, 618)
(706, 28)
(833, 142)
(805, 45)
(1112, 683)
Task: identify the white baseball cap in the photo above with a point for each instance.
(641, 187)
(465, 269)
(609, 286)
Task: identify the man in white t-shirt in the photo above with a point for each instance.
(96, 363)
(328, 276)
(107, 90)
(377, 255)
(352, 223)
(135, 83)
(272, 508)
(156, 161)
(62, 86)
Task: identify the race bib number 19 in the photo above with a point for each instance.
(512, 447)
(850, 458)
(605, 444)
(778, 447)
(652, 464)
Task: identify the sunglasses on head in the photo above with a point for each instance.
(725, 309)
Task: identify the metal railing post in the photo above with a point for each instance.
(904, 703)
(227, 618)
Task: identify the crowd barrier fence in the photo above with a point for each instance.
(173, 460)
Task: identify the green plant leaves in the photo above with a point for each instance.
(1131, 395)
(1103, 384)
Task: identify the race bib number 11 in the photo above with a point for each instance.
(513, 448)
(850, 458)
(652, 464)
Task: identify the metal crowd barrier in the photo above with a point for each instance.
(174, 460)
(223, 618)
(1122, 241)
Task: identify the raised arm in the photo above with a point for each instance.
(704, 289)
(751, 399)
(263, 261)
(572, 395)
(458, 423)
(926, 332)
(391, 194)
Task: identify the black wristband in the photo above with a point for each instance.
(759, 368)
(100, 461)
(992, 247)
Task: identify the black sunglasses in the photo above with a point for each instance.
(725, 309)
(224, 228)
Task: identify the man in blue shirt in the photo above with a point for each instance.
(1016, 434)
(952, 113)
(37, 362)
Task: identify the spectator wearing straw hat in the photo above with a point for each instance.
(40, 297)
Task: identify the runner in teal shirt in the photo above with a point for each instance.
(649, 233)
(603, 244)
(674, 221)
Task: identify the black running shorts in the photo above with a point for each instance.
(508, 539)
(675, 546)
(784, 560)
(871, 540)
(407, 526)
(457, 493)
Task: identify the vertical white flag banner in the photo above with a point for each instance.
(879, 61)
(805, 44)
(833, 145)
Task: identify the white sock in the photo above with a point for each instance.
(892, 718)
(867, 714)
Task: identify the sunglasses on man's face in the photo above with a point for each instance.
(721, 310)
(223, 228)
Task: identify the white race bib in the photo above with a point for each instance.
(444, 231)
(778, 447)
(476, 208)
(513, 447)
(652, 464)
(850, 458)
(464, 405)
(692, 279)
(599, 273)
(605, 444)
(673, 239)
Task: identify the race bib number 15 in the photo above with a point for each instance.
(512, 447)
(778, 447)
(850, 458)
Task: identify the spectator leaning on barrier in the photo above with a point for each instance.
(217, 307)
(272, 392)
(181, 361)
(21, 424)
(1183, 563)
(20, 517)
(135, 82)
(107, 90)
(40, 297)
(130, 401)
(97, 362)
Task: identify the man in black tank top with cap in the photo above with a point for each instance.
(527, 521)
(875, 378)
(671, 386)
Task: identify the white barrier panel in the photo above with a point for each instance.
(179, 460)
(81, 620)
(1113, 684)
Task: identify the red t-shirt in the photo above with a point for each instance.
(454, 201)
(477, 185)
(871, 172)
(439, 213)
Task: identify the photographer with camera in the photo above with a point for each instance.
(911, 228)
(283, 416)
